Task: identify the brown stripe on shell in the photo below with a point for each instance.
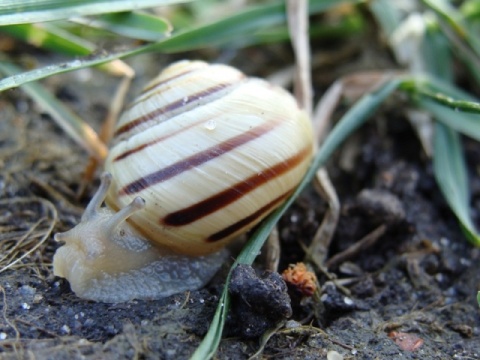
(233, 193)
(154, 85)
(156, 141)
(171, 107)
(166, 80)
(197, 159)
(231, 229)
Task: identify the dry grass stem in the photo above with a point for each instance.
(320, 244)
(33, 226)
(297, 15)
(272, 250)
(366, 242)
(107, 130)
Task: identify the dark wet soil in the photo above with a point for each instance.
(420, 277)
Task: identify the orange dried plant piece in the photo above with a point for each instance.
(406, 341)
(302, 280)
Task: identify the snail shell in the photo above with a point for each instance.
(201, 156)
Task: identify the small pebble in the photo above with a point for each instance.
(65, 329)
(333, 355)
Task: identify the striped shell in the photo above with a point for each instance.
(211, 151)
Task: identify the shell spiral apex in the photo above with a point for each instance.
(200, 157)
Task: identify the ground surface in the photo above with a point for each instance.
(420, 277)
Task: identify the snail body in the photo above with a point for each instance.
(200, 157)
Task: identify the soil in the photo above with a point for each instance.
(410, 295)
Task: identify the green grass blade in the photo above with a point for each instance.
(37, 74)
(386, 14)
(451, 175)
(32, 11)
(133, 25)
(455, 111)
(436, 53)
(76, 128)
(50, 37)
(219, 32)
(444, 89)
(354, 118)
(211, 341)
(443, 92)
(440, 99)
(350, 25)
(235, 30)
(460, 34)
(471, 13)
(470, 9)
(448, 13)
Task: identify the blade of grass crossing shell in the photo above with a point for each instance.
(451, 174)
(354, 118)
(351, 121)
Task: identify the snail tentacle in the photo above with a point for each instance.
(137, 204)
(97, 199)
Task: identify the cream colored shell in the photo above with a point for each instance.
(211, 151)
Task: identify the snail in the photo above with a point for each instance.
(200, 157)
